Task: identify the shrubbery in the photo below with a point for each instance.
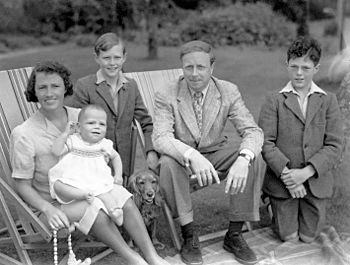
(250, 24)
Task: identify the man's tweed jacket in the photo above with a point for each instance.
(175, 127)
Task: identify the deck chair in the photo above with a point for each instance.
(23, 228)
(149, 82)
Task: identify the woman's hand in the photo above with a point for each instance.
(56, 218)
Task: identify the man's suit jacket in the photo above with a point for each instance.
(293, 141)
(130, 106)
(175, 126)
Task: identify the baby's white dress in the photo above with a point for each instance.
(84, 167)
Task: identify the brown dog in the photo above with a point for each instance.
(144, 185)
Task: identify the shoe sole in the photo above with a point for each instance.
(191, 263)
(238, 259)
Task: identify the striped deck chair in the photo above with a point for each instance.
(23, 228)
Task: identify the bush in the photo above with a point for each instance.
(249, 24)
(14, 42)
(85, 40)
(47, 41)
(3, 48)
(331, 28)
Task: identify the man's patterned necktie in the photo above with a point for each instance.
(197, 106)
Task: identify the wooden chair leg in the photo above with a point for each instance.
(173, 233)
(17, 241)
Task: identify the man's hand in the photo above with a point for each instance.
(152, 160)
(294, 177)
(203, 169)
(237, 177)
(298, 191)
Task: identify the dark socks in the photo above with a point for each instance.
(187, 230)
(235, 227)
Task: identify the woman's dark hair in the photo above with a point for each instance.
(48, 67)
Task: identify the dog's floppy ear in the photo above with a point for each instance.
(132, 184)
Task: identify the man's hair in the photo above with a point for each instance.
(305, 46)
(197, 46)
(108, 41)
(48, 67)
(89, 107)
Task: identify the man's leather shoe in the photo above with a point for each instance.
(190, 252)
(235, 243)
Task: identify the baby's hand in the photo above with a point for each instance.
(118, 180)
(71, 128)
(89, 197)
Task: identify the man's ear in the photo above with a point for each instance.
(212, 68)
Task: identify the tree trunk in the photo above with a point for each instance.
(302, 18)
(152, 26)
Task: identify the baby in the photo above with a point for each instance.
(83, 172)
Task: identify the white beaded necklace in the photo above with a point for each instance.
(71, 256)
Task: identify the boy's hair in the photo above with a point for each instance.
(108, 41)
(48, 67)
(89, 107)
(197, 46)
(305, 46)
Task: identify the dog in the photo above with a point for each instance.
(144, 185)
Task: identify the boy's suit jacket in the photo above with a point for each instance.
(130, 106)
(175, 127)
(293, 141)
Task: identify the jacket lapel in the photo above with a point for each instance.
(105, 93)
(292, 103)
(186, 111)
(314, 104)
(211, 108)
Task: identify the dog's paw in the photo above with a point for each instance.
(157, 244)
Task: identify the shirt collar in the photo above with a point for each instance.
(313, 89)
(100, 78)
(204, 91)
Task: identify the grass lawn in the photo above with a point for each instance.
(256, 70)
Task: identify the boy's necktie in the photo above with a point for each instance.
(197, 106)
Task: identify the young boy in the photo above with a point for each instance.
(303, 140)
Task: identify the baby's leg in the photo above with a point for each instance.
(68, 193)
(114, 211)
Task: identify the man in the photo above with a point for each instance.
(188, 133)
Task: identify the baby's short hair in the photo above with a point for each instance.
(305, 46)
(89, 107)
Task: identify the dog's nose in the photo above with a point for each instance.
(150, 194)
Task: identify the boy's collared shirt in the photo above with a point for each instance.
(303, 105)
(114, 91)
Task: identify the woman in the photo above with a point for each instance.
(31, 159)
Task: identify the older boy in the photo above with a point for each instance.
(303, 139)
